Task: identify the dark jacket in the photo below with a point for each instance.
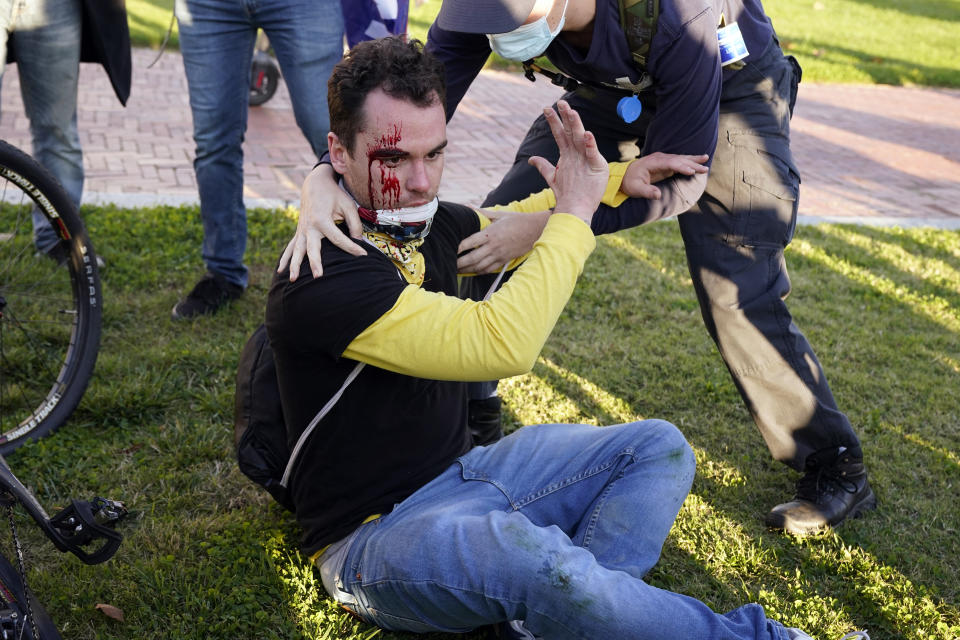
(106, 39)
(682, 108)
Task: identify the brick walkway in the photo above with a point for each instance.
(867, 153)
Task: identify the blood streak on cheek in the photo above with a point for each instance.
(389, 182)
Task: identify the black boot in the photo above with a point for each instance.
(833, 487)
(483, 420)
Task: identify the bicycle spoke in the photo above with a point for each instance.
(49, 308)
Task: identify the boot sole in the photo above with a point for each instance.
(867, 503)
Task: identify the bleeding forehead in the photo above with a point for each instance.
(399, 124)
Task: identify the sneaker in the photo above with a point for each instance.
(58, 253)
(483, 420)
(208, 296)
(833, 488)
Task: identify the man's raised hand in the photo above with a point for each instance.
(580, 177)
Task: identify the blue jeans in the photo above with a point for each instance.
(47, 35)
(554, 525)
(216, 39)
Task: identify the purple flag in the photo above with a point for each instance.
(370, 19)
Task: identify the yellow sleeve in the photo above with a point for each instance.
(439, 337)
(544, 200)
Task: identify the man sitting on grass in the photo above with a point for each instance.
(413, 530)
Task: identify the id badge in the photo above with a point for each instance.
(732, 46)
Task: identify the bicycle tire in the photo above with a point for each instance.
(264, 78)
(50, 304)
(14, 621)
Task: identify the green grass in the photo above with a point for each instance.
(207, 555)
(899, 42)
(149, 21)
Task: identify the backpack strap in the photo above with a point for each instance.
(336, 397)
(638, 18)
(316, 420)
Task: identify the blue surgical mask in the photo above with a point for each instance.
(526, 41)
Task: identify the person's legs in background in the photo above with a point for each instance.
(307, 37)
(735, 239)
(216, 39)
(46, 34)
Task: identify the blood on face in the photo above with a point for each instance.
(384, 148)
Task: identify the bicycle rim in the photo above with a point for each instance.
(50, 304)
(13, 610)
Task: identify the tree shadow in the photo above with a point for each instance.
(907, 426)
(937, 9)
(892, 71)
(921, 270)
(930, 247)
(937, 138)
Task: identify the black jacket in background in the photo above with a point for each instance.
(106, 39)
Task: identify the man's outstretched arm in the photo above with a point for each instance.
(512, 233)
(440, 337)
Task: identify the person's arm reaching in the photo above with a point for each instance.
(687, 69)
(463, 56)
(495, 245)
(322, 204)
(512, 234)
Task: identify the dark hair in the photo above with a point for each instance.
(401, 68)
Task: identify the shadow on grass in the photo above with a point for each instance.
(893, 71)
(936, 9)
(928, 244)
(891, 353)
(932, 137)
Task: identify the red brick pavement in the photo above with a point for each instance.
(865, 152)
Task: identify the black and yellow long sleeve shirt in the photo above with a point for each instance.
(403, 420)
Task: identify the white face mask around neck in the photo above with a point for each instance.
(404, 224)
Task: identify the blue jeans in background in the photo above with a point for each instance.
(47, 35)
(554, 525)
(216, 39)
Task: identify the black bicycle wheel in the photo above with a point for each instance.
(50, 304)
(15, 615)
(264, 78)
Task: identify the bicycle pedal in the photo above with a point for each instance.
(108, 512)
(88, 523)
